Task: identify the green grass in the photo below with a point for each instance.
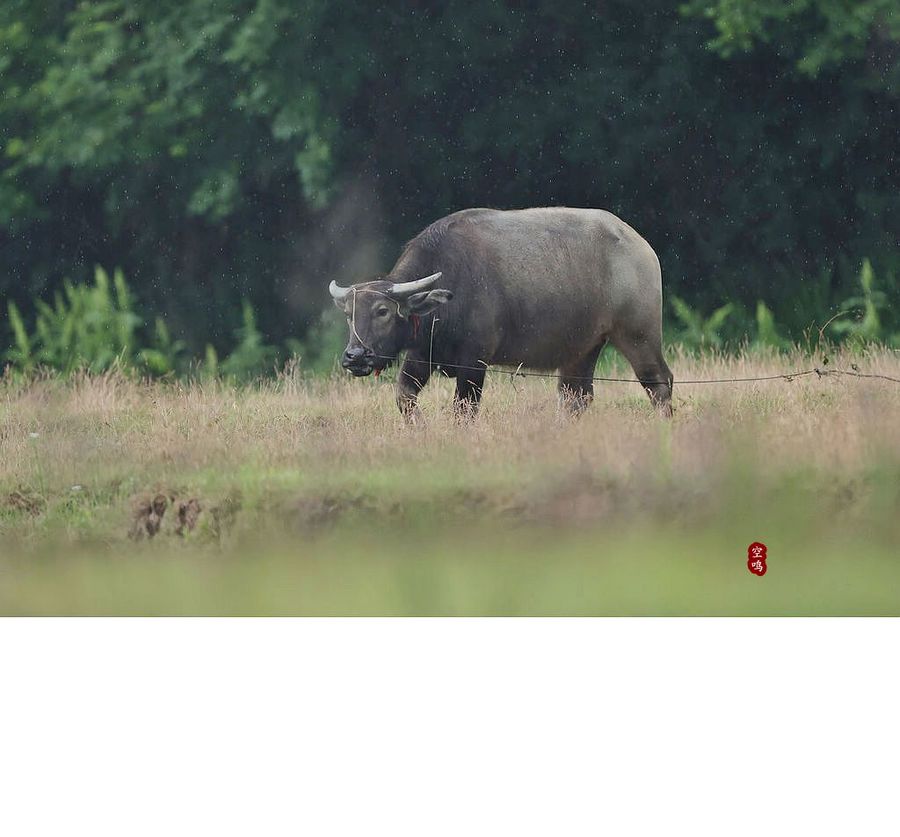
(316, 499)
(466, 572)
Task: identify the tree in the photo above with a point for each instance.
(196, 145)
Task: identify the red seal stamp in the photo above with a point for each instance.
(756, 558)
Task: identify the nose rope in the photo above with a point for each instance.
(353, 325)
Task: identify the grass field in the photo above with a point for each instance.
(311, 497)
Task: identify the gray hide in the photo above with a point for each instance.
(545, 288)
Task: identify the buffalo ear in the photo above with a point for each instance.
(340, 304)
(427, 301)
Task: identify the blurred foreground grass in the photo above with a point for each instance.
(311, 497)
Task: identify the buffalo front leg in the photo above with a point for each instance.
(414, 374)
(469, 384)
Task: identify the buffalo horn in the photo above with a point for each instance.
(403, 289)
(337, 291)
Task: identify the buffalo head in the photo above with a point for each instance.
(382, 318)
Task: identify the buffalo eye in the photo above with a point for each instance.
(382, 312)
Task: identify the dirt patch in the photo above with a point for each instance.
(223, 514)
(580, 499)
(187, 513)
(148, 514)
(317, 512)
(24, 501)
(468, 505)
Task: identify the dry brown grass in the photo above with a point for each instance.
(297, 456)
(57, 434)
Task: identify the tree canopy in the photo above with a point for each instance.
(218, 152)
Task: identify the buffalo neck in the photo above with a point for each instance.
(413, 264)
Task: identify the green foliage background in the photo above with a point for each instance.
(199, 146)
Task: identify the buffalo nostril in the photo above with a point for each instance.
(354, 355)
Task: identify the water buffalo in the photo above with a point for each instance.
(544, 288)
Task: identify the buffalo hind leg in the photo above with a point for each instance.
(469, 384)
(645, 357)
(576, 385)
(414, 374)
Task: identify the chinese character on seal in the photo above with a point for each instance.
(756, 558)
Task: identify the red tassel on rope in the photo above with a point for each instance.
(415, 323)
